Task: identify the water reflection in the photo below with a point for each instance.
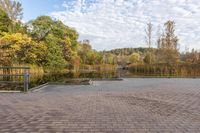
(96, 75)
(36, 80)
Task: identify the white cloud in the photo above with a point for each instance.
(120, 23)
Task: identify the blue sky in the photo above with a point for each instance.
(34, 8)
(112, 24)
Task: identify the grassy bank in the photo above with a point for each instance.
(102, 67)
(172, 70)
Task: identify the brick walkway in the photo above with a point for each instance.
(129, 106)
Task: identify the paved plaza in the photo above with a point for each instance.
(133, 105)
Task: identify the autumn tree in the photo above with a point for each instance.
(168, 44)
(88, 55)
(83, 48)
(192, 57)
(134, 58)
(169, 39)
(149, 57)
(19, 48)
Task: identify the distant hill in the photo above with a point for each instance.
(127, 51)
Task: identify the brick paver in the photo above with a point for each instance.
(129, 106)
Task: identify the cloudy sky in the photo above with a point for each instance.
(112, 24)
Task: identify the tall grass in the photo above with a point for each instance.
(34, 70)
(167, 70)
(101, 67)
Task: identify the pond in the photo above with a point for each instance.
(36, 80)
(98, 75)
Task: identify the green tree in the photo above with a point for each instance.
(5, 21)
(54, 58)
(9, 25)
(12, 8)
(40, 27)
(45, 29)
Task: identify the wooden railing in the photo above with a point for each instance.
(8, 73)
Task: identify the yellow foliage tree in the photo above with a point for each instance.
(19, 48)
(134, 58)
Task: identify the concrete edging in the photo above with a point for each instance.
(38, 87)
(10, 91)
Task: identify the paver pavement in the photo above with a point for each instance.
(129, 106)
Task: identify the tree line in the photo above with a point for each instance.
(43, 42)
(166, 50)
(50, 44)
